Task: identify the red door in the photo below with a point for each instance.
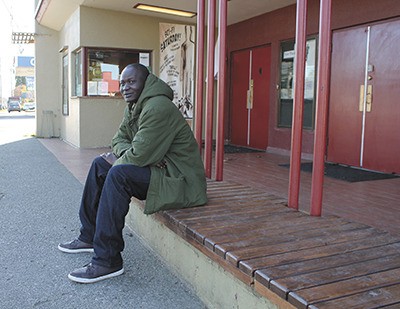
(250, 97)
(364, 113)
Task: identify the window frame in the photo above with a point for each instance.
(84, 54)
(311, 113)
(65, 85)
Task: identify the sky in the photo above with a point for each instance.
(15, 16)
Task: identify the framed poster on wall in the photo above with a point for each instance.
(177, 50)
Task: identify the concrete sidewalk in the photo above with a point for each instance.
(39, 201)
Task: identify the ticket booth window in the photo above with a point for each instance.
(97, 70)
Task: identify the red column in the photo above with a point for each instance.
(210, 88)
(199, 73)
(219, 154)
(324, 59)
(298, 105)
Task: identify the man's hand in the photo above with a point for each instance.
(162, 164)
(109, 157)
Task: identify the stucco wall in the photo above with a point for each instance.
(92, 121)
(102, 28)
(70, 125)
(100, 118)
(48, 81)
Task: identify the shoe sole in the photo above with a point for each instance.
(82, 250)
(97, 279)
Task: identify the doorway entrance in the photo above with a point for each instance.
(364, 111)
(250, 97)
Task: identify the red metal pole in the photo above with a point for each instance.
(210, 88)
(219, 154)
(324, 59)
(200, 73)
(298, 105)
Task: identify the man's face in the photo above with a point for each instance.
(131, 84)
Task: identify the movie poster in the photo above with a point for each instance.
(177, 51)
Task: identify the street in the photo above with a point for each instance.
(16, 126)
(39, 203)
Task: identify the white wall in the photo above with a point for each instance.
(48, 81)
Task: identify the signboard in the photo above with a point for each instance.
(24, 61)
(177, 50)
(30, 83)
(24, 71)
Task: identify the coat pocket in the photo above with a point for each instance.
(170, 194)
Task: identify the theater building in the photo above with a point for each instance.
(81, 47)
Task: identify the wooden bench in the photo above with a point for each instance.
(286, 256)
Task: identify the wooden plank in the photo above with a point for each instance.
(221, 238)
(376, 298)
(267, 293)
(237, 231)
(206, 212)
(226, 197)
(276, 237)
(297, 255)
(231, 218)
(211, 214)
(260, 218)
(303, 298)
(265, 275)
(218, 239)
(330, 275)
(254, 252)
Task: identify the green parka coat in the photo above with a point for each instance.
(154, 130)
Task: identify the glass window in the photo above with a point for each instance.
(78, 73)
(65, 96)
(286, 84)
(104, 68)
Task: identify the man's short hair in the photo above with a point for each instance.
(143, 70)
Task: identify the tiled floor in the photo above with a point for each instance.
(375, 203)
(76, 160)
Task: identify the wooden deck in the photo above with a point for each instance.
(348, 258)
(311, 262)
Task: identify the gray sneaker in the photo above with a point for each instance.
(75, 246)
(92, 273)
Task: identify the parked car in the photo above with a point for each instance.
(13, 106)
(29, 106)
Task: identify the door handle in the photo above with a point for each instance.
(250, 94)
(361, 103)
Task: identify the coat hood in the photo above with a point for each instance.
(154, 87)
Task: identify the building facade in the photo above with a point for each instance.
(363, 117)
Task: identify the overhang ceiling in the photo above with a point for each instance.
(54, 13)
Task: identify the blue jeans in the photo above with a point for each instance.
(105, 203)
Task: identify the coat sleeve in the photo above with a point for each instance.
(156, 132)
